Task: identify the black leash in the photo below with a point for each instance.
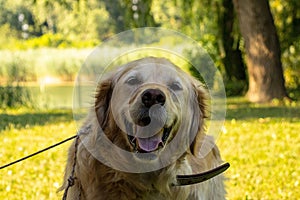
(183, 180)
(71, 179)
(38, 152)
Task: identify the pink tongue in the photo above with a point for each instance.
(149, 144)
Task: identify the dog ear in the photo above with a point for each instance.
(103, 96)
(200, 105)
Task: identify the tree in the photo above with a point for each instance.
(221, 40)
(289, 28)
(287, 20)
(232, 60)
(127, 14)
(263, 53)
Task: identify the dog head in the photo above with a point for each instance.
(148, 103)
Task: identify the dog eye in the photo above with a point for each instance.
(133, 81)
(175, 86)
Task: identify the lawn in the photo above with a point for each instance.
(261, 142)
(24, 132)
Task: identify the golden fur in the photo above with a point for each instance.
(95, 180)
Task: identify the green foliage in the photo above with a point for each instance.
(199, 69)
(127, 14)
(52, 40)
(22, 70)
(20, 19)
(67, 70)
(82, 24)
(291, 64)
(7, 37)
(47, 40)
(287, 20)
(202, 20)
(53, 24)
(12, 94)
(235, 88)
(35, 64)
(17, 70)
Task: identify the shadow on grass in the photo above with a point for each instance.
(242, 109)
(263, 112)
(237, 108)
(36, 118)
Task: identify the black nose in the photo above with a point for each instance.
(153, 96)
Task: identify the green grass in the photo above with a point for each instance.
(24, 132)
(261, 142)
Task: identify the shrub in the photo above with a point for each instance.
(235, 88)
(291, 65)
(14, 96)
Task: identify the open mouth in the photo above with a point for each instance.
(150, 144)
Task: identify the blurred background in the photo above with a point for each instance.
(254, 43)
(44, 43)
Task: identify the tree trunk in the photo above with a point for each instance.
(233, 61)
(266, 80)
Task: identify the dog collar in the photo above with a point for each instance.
(183, 180)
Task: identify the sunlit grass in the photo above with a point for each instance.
(26, 132)
(261, 142)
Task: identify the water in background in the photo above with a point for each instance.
(52, 96)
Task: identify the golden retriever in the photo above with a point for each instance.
(151, 116)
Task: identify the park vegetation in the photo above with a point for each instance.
(219, 26)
